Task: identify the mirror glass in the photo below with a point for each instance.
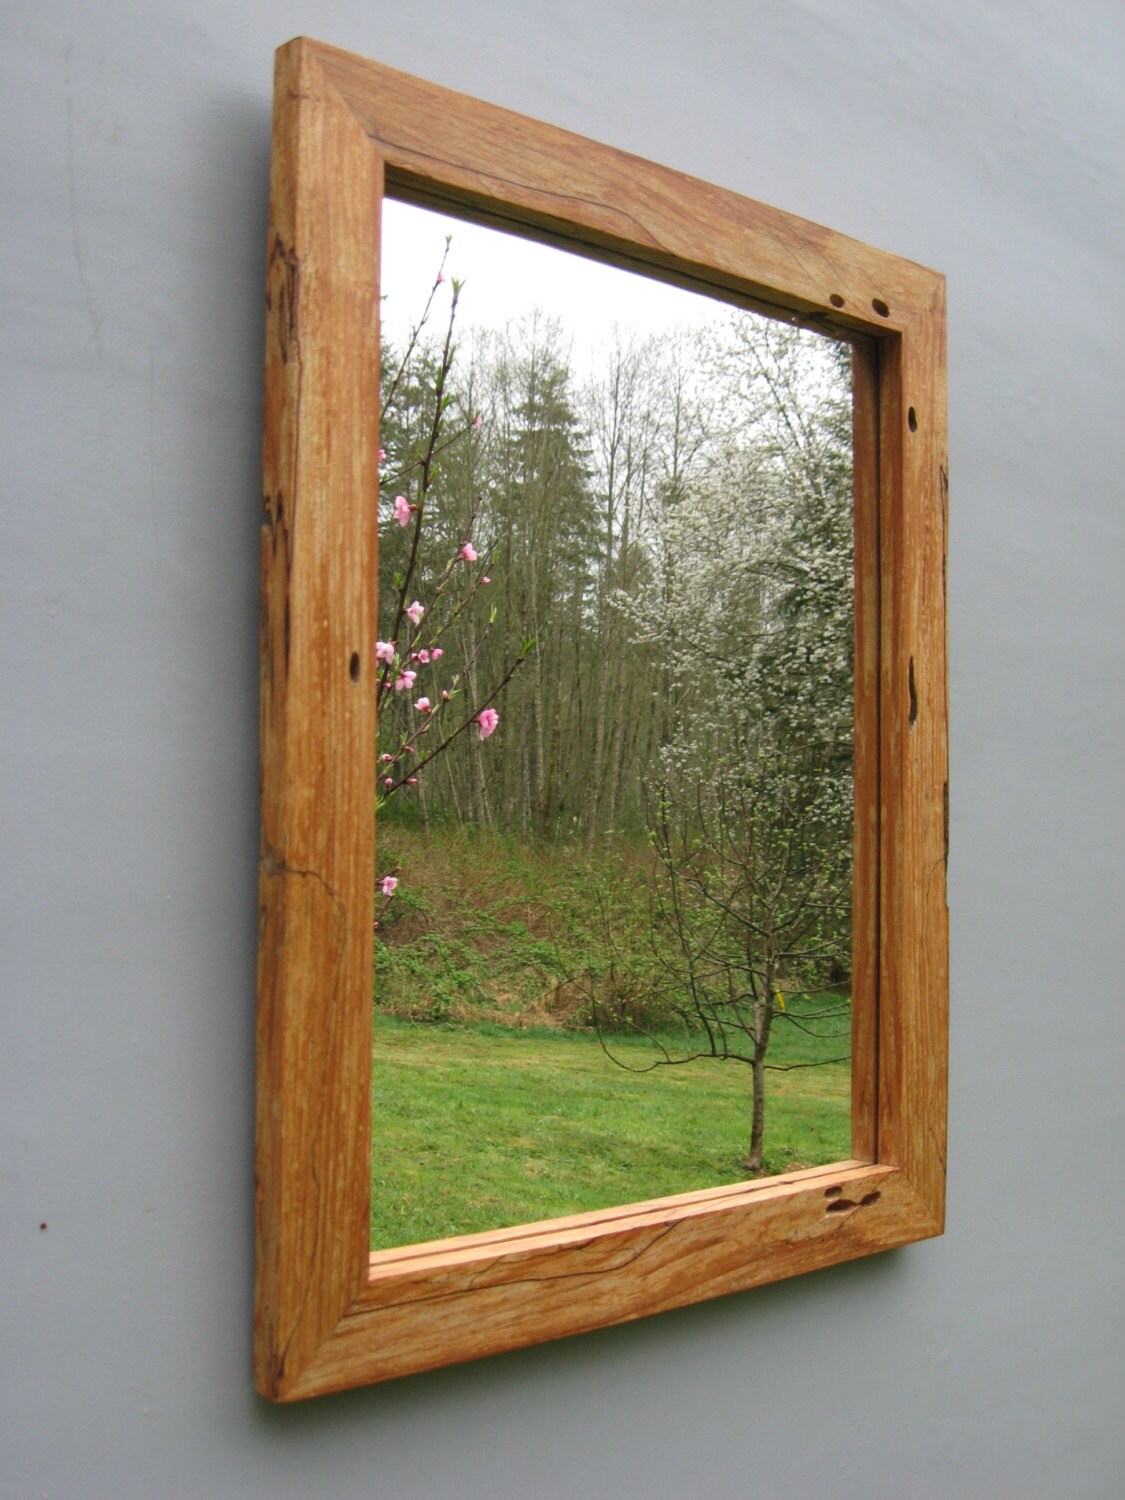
(614, 828)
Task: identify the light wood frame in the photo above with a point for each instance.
(330, 1314)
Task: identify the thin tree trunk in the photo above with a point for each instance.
(763, 1019)
(479, 788)
(753, 1162)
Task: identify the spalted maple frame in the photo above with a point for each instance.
(330, 1313)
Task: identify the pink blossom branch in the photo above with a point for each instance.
(427, 472)
(471, 719)
(415, 333)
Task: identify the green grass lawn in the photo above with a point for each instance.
(480, 1127)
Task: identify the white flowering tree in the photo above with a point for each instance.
(750, 803)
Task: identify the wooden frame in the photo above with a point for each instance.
(329, 1314)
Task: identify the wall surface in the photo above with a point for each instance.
(980, 138)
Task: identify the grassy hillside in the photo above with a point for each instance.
(495, 1102)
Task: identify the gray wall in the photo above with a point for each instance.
(980, 138)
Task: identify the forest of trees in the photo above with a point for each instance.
(647, 572)
(675, 539)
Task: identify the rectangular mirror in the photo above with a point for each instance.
(625, 510)
(654, 723)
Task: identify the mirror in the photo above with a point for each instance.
(330, 1313)
(616, 704)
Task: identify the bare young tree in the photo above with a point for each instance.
(751, 900)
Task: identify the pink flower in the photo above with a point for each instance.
(404, 681)
(387, 885)
(423, 656)
(385, 651)
(477, 421)
(440, 277)
(487, 721)
(416, 611)
(444, 696)
(412, 781)
(382, 454)
(388, 782)
(422, 705)
(386, 758)
(437, 653)
(468, 552)
(486, 579)
(402, 510)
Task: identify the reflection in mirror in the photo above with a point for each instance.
(614, 831)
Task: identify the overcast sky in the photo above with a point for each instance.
(506, 276)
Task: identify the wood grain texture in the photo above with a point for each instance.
(328, 1314)
(575, 1277)
(319, 570)
(914, 946)
(446, 148)
(865, 753)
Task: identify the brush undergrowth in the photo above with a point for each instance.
(484, 927)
